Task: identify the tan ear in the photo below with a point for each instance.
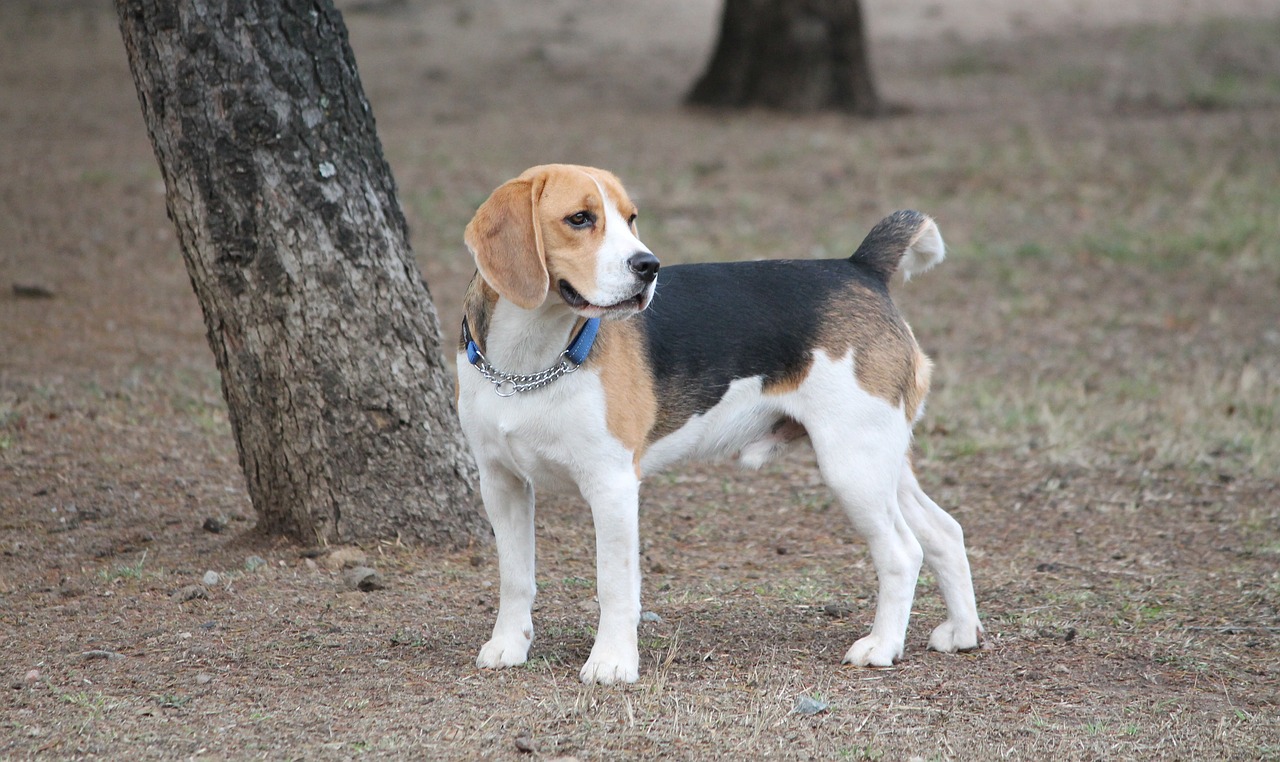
(506, 241)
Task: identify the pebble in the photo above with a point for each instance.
(32, 677)
(836, 610)
(211, 578)
(203, 678)
(214, 524)
(650, 616)
(344, 558)
(32, 290)
(190, 593)
(809, 706)
(252, 563)
(364, 579)
(524, 743)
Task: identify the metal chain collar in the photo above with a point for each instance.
(509, 384)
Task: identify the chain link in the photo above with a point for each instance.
(509, 384)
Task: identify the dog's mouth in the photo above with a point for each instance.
(578, 303)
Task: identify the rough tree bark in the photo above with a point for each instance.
(326, 337)
(791, 55)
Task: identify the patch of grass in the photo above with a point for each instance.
(171, 700)
(133, 571)
(411, 638)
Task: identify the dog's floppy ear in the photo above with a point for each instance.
(506, 240)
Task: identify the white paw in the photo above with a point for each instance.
(873, 651)
(502, 652)
(950, 637)
(606, 670)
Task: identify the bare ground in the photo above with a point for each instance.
(1104, 421)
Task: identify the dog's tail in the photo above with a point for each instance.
(905, 239)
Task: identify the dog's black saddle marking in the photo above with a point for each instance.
(710, 324)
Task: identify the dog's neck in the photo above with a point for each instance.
(516, 340)
(527, 341)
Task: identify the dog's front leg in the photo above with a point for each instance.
(614, 502)
(508, 501)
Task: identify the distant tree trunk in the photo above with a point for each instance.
(320, 323)
(791, 55)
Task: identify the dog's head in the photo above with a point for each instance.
(565, 229)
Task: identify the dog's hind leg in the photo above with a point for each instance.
(508, 501)
(860, 461)
(942, 539)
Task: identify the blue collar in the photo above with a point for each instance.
(507, 384)
(577, 350)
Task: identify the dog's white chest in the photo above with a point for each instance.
(547, 436)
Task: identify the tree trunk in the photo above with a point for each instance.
(791, 55)
(324, 332)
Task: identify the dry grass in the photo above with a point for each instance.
(1103, 423)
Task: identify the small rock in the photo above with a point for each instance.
(352, 599)
(344, 558)
(524, 743)
(32, 677)
(98, 654)
(203, 678)
(809, 706)
(32, 291)
(252, 563)
(311, 563)
(363, 578)
(836, 610)
(650, 616)
(214, 524)
(477, 560)
(589, 605)
(211, 578)
(190, 593)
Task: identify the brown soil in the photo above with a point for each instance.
(1104, 422)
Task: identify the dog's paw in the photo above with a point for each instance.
(610, 670)
(951, 636)
(502, 652)
(873, 651)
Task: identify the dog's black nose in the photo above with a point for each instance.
(644, 265)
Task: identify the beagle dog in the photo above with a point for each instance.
(583, 367)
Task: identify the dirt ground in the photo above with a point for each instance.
(1104, 421)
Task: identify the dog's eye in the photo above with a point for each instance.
(581, 220)
(632, 219)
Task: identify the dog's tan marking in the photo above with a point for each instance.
(477, 308)
(631, 403)
(506, 244)
(790, 382)
(920, 389)
(885, 354)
